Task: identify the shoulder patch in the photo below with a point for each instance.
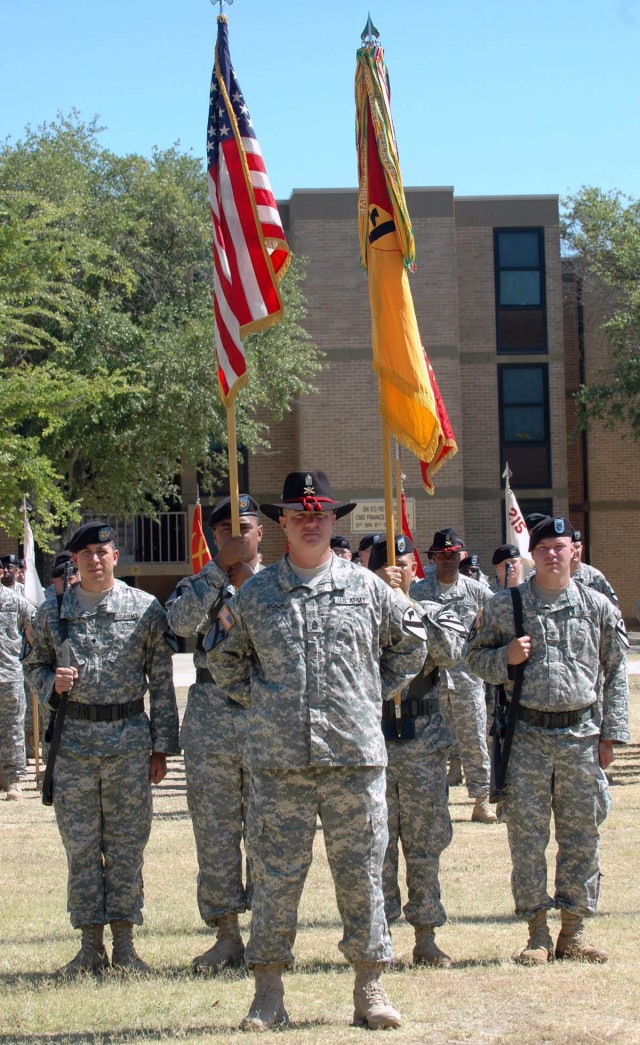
(226, 618)
(413, 623)
(449, 621)
(622, 632)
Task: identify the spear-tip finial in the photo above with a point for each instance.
(221, 2)
(369, 34)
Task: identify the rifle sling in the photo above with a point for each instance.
(512, 714)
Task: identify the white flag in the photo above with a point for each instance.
(33, 589)
(517, 532)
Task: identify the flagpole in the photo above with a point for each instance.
(388, 494)
(506, 475)
(399, 480)
(234, 491)
(35, 711)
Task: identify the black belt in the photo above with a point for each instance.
(100, 712)
(555, 719)
(203, 675)
(411, 708)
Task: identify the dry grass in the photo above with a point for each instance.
(484, 998)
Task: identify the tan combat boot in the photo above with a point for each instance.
(482, 812)
(539, 949)
(572, 942)
(14, 791)
(124, 953)
(426, 951)
(91, 957)
(372, 1007)
(454, 776)
(267, 1008)
(227, 951)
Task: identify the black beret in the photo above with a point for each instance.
(92, 533)
(9, 560)
(549, 527)
(577, 537)
(533, 519)
(378, 557)
(340, 542)
(504, 552)
(59, 563)
(222, 510)
(367, 541)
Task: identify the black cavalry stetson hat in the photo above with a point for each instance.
(307, 492)
(446, 540)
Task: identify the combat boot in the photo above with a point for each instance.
(572, 942)
(227, 951)
(14, 791)
(267, 1008)
(482, 812)
(92, 956)
(426, 951)
(372, 1007)
(454, 776)
(539, 949)
(124, 955)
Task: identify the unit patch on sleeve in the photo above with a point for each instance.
(413, 623)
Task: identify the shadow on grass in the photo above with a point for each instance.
(133, 1034)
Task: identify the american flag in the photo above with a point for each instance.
(250, 251)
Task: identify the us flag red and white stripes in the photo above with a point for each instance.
(250, 250)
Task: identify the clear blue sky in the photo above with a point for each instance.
(490, 96)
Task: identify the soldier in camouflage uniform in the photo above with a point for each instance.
(213, 734)
(312, 644)
(461, 693)
(563, 739)
(417, 740)
(110, 751)
(15, 616)
(582, 573)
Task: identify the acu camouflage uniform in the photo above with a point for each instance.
(417, 795)
(213, 735)
(102, 794)
(462, 694)
(15, 616)
(594, 579)
(556, 770)
(312, 663)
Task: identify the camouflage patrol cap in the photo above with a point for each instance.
(222, 509)
(92, 533)
(378, 557)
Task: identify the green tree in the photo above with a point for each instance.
(602, 233)
(106, 327)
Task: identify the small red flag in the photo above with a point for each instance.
(200, 554)
(407, 532)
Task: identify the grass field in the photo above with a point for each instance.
(484, 998)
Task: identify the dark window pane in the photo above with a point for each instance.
(519, 288)
(518, 250)
(529, 464)
(524, 424)
(522, 384)
(521, 330)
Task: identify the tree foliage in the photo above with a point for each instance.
(602, 232)
(106, 325)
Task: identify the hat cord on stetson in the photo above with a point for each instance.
(310, 504)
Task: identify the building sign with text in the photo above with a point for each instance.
(369, 516)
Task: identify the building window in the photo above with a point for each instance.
(521, 321)
(524, 423)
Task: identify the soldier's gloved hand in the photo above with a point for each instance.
(235, 550)
(64, 679)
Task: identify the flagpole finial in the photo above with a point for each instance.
(507, 474)
(369, 34)
(221, 2)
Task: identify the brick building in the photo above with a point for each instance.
(510, 338)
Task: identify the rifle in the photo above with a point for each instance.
(502, 729)
(58, 714)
